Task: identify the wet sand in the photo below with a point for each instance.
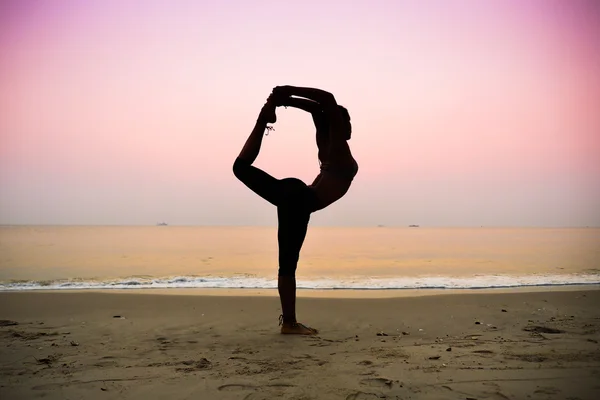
(148, 345)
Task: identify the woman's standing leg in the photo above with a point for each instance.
(293, 216)
(293, 213)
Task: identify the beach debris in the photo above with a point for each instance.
(8, 322)
(48, 360)
(503, 310)
(118, 317)
(449, 349)
(382, 334)
(477, 323)
(542, 329)
(104, 389)
(405, 333)
(434, 357)
(74, 343)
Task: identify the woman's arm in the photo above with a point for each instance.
(302, 104)
(310, 106)
(337, 127)
(324, 98)
(338, 148)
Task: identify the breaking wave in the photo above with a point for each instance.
(361, 283)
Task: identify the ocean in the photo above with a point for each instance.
(377, 258)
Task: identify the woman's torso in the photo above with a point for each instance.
(335, 179)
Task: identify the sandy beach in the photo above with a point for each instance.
(144, 345)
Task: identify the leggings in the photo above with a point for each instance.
(294, 200)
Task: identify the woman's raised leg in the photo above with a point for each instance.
(255, 179)
(253, 143)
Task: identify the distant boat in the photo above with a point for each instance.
(162, 224)
(413, 226)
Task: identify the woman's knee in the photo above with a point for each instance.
(239, 166)
(288, 270)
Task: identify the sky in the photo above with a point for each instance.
(464, 112)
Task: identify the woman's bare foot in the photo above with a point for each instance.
(268, 111)
(296, 328)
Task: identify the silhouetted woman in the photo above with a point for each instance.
(295, 200)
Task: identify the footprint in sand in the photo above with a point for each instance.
(232, 387)
(362, 396)
(266, 396)
(258, 396)
(549, 390)
(494, 394)
(483, 351)
(259, 392)
(163, 343)
(382, 383)
(235, 387)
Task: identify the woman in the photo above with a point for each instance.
(295, 200)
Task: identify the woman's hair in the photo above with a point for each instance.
(346, 117)
(324, 125)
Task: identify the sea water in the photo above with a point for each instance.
(137, 257)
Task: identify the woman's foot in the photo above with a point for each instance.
(295, 328)
(268, 111)
(270, 115)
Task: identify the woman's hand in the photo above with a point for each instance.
(279, 100)
(283, 91)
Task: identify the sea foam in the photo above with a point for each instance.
(359, 283)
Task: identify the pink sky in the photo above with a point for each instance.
(464, 112)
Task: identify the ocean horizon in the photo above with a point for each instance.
(62, 257)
